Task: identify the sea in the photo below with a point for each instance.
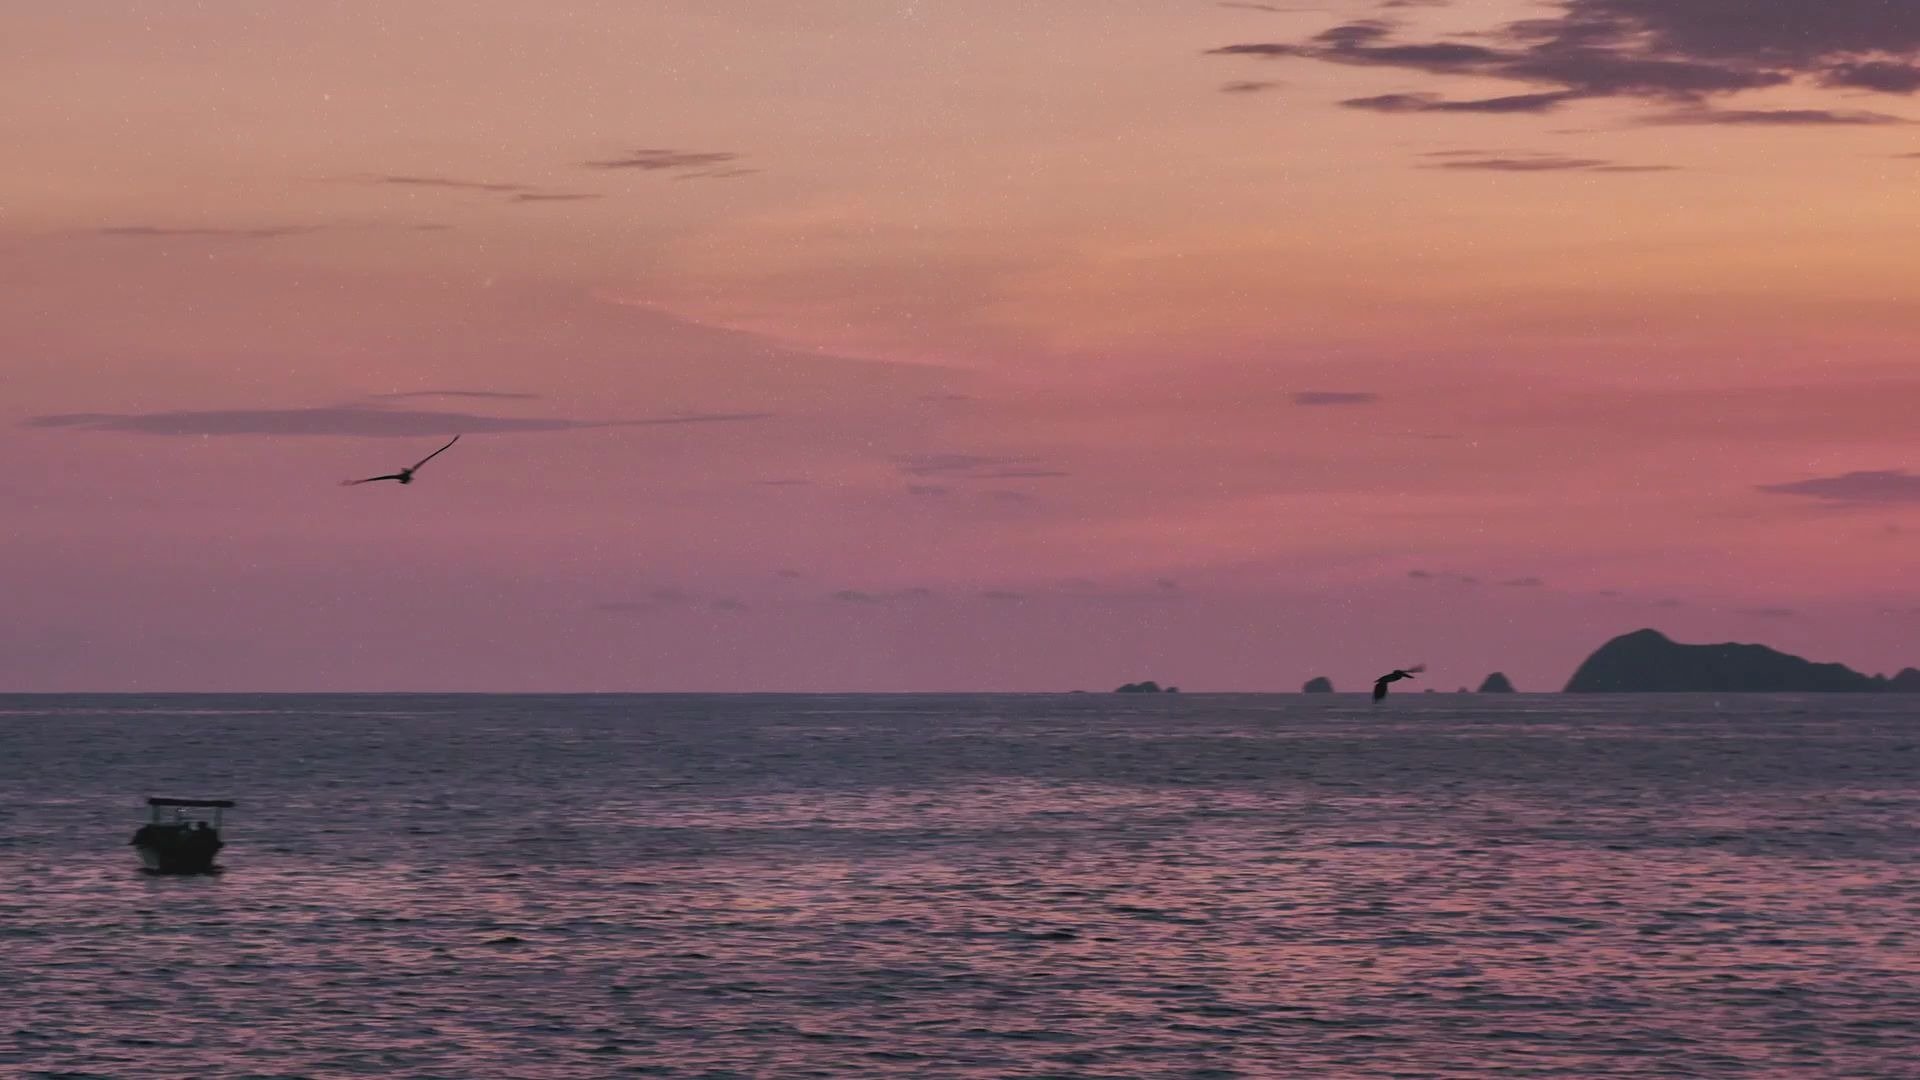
(969, 886)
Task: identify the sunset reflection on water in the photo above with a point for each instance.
(969, 887)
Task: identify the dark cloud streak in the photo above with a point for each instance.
(1676, 52)
(348, 420)
(652, 160)
(1335, 397)
(163, 232)
(1869, 486)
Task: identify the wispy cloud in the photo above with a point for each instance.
(1335, 397)
(1511, 103)
(1463, 579)
(1776, 117)
(1247, 86)
(655, 160)
(1545, 163)
(715, 174)
(515, 192)
(492, 395)
(1869, 486)
(351, 420)
(211, 232)
(976, 467)
(863, 596)
(449, 183)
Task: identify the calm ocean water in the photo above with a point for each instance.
(968, 886)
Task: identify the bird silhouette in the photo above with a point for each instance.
(1380, 684)
(404, 476)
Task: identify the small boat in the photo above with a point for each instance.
(178, 838)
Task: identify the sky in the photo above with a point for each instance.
(920, 345)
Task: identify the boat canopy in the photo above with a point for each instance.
(162, 801)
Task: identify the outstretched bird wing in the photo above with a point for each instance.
(1380, 688)
(435, 454)
(371, 479)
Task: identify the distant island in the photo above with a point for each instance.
(1148, 687)
(1647, 661)
(1319, 684)
(1496, 683)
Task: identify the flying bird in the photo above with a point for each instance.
(405, 475)
(1380, 684)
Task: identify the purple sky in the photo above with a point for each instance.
(935, 346)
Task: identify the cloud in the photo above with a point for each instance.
(1523, 583)
(1001, 594)
(516, 193)
(164, 232)
(353, 420)
(861, 596)
(649, 160)
(1335, 397)
(1664, 51)
(450, 183)
(1511, 103)
(976, 467)
(1881, 76)
(1776, 117)
(496, 395)
(1443, 575)
(927, 489)
(715, 174)
(784, 481)
(1769, 613)
(1247, 86)
(1871, 486)
(1545, 163)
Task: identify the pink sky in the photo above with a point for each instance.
(944, 346)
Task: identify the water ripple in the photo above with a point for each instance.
(565, 887)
